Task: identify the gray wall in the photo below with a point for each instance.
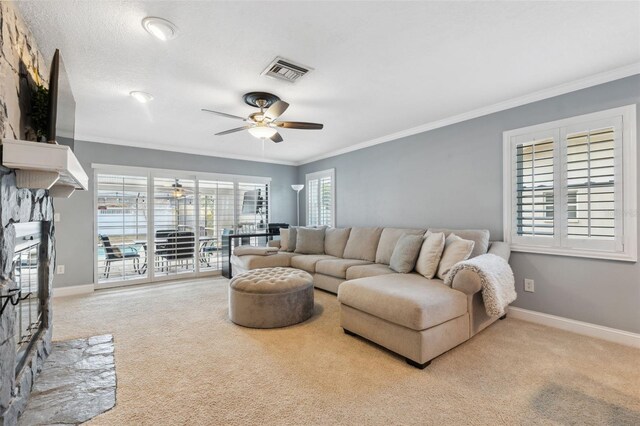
(452, 177)
(74, 232)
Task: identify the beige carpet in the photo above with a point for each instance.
(180, 361)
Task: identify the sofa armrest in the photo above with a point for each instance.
(500, 248)
(467, 281)
(274, 243)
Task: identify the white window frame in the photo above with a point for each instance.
(319, 175)
(626, 248)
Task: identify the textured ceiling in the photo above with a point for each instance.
(380, 68)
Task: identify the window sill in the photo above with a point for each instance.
(589, 254)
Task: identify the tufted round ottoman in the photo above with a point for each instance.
(271, 297)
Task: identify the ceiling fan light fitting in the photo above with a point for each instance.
(262, 132)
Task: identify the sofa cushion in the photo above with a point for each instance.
(388, 240)
(371, 270)
(310, 241)
(409, 300)
(254, 262)
(405, 254)
(284, 239)
(335, 240)
(430, 254)
(362, 244)
(307, 262)
(455, 250)
(337, 267)
(480, 237)
(293, 237)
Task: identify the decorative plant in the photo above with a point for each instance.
(40, 111)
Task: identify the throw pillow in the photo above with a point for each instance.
(455, 250)
(284, 239)
(293, 236)
(430, 254)
(335, 240)
(404, 255)
(310, 241)
(362, 244)
(480, 237)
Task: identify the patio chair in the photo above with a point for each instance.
(115, 254)
(180, 246)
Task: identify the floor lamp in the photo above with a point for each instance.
(297, 188)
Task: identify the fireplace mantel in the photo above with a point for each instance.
(44, 166)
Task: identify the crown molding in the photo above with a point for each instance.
(83, 137)
(551, 92)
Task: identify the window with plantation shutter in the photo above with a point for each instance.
(321, 198)
(570, 186)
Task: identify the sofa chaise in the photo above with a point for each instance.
(416, 317)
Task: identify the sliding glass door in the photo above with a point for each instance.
(121, 223)
(174, 226)
(161, 225)
(217, 218)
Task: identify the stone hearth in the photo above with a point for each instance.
(78, 382)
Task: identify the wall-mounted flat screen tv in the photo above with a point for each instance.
(62, 105)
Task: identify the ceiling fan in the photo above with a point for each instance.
(264, 124)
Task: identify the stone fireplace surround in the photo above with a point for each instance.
(19, 206)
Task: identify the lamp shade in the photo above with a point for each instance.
(297, 187)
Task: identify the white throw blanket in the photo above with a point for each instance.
(256, 251)
(496, 276)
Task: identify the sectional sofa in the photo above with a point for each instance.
(416, 317)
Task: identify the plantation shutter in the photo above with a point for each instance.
(326, 200)
(121, 225)
(252, 207)
(313, 188)
(592, 190)
(174, 226)
(321, 198)
(216, 204)
(534, 187)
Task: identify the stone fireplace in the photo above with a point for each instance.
(27, 256)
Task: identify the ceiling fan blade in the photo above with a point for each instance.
(276, 138)
(224, 114)
(276, 110)
(237, 129)
(299, 125)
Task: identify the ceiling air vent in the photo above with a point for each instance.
(284, 69)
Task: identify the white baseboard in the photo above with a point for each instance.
(587, 329)
(73, 290)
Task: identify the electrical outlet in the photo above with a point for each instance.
(56, 217)
(60, 270)
(529, 285)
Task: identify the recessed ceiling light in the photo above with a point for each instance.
(160, 28)
(142, 97)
